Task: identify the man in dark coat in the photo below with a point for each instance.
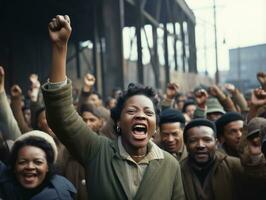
(207, 173)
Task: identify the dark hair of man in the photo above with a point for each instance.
(36, 142)
(187, 103)
(95, 93)
(134, 89)
(197, 123)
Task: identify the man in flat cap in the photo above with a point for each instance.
(206, 172)
(229, 132)
(172, 123)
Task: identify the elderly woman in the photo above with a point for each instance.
(31, 173)
(131, 167)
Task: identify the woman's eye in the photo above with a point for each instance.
(38, 162)
(149, 113)
(22, 162)
(131, 111)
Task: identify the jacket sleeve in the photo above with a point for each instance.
(68, 126)
(8, 124)
(227, 104)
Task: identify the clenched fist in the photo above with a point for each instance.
(60, 30)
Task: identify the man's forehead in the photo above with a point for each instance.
(200, 129)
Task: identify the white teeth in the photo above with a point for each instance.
(29, 175)
(139, 126)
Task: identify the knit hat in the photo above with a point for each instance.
(171, 115)
(255, 125)
(226, 119)
(41, 135)
(199, 122)
(213, 105)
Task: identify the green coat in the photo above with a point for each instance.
(226, 179)
(100, 156)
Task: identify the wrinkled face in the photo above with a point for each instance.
(214, 116)
(232, 134)
(31, 167)
(171, 136)
(92, 121)
(190, 110)
(201, 144)
(94, 100)
(137, 122)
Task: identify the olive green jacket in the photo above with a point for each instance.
(100, 156)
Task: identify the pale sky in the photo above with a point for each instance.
(240, 23)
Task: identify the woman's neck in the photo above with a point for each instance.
(137, 154)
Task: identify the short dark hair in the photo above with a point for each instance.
(199, 122)
(188, 103)
(171, 115)
(36, 142)
(134, 89)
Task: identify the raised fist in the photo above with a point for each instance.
(215, 91)
(172, 89)
(60, 30)
(88, 82)
(230, 87)
(201, 97)
(258, 97)
(261, 76)
(35, 83)
(15, 91)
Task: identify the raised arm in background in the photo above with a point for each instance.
(8, 124)
(16, 106)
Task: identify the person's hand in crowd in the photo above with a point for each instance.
(201, 97)
(34, 87)
(88, 82)
(172, 90)
(215, 91)
(258, 97)
(2, 79)
(15, 91)
(35, 83)
(254, 145)
(60, 30)
(261, 76)
(230, 88)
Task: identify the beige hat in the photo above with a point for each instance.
(42, 135)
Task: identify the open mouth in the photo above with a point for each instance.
(29, 177)
(139, 131)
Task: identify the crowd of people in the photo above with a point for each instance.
(58, 142)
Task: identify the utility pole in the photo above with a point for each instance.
(217, 77)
